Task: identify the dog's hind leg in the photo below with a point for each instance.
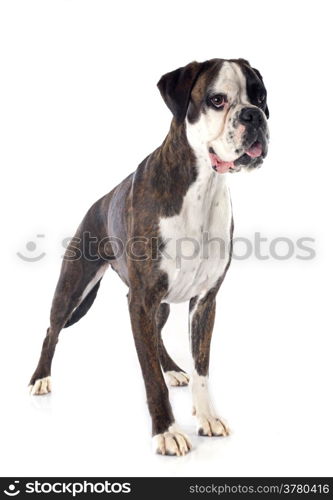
(175, 375)
(82, 269)
(78, 283)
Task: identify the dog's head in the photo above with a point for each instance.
(224, 106)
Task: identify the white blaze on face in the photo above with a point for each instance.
(218, 128)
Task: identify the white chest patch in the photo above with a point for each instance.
(198, 239)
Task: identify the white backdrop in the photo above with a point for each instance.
(79, 110)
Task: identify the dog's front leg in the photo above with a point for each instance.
(202, 315)
(167, 438)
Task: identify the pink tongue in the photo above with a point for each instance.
(255, 150)
(221, 166)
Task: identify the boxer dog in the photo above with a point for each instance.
(167, 231)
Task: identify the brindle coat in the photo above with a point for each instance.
(132, 210)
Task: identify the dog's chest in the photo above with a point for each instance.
(197, 241)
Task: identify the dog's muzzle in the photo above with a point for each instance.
(253, 157)
(255, 143)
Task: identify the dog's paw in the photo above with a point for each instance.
(211, 426)
(172, 442)
(41, 386)
(177, 378)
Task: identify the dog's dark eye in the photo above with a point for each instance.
(218, 100)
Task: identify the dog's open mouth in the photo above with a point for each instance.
(221, 166)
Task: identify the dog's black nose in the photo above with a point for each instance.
(251, 116)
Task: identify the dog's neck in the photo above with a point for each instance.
(182, 151)
(175, 166)
(176, 148)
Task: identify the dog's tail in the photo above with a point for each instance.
(84, 307)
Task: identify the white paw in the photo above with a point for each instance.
(41, 386)
(172, 442)
(211, 426)
(177, 378)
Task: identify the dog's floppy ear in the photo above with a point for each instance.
(257, 72)
(176, 87)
